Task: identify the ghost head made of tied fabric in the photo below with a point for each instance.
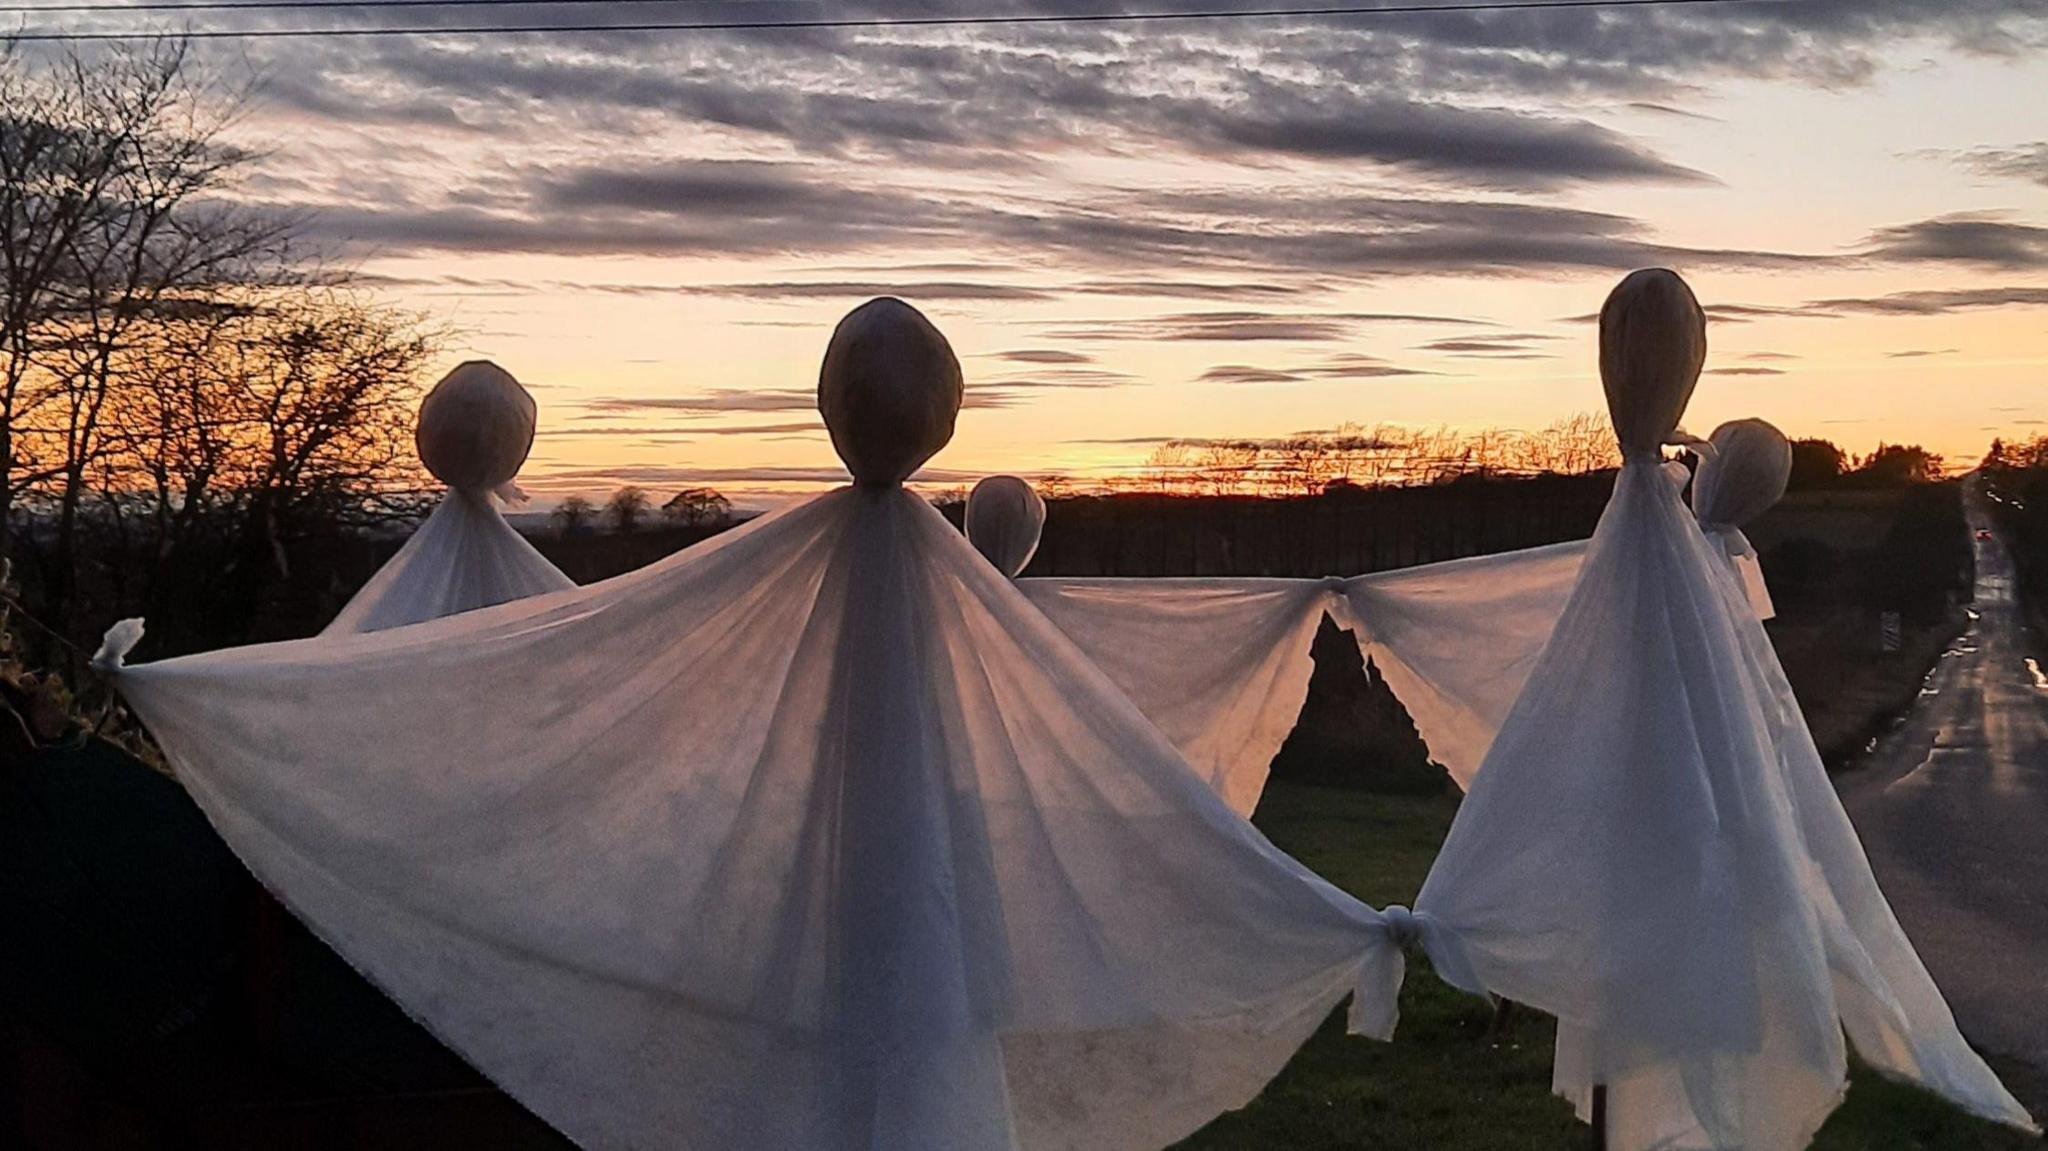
(475, 428)
(1742, 472)
(1653, 342)
(1004, 521)
(1743, 475)
(889, 390)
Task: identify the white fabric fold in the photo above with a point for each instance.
(1746, 569)
(1220, 665)
(1456, 640)
(814, 836)
(462, 557)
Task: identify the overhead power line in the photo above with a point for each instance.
(100, 6)
(31, 35)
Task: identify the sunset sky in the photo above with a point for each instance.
(1240, 229)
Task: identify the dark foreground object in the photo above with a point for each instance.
(153, 996)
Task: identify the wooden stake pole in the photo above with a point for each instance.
(1599, 1117)
(1503, 1021)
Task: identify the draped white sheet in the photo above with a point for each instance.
(1222, 665)
(1650, 854)
(474, 431)
(464, 556)
(814, 836)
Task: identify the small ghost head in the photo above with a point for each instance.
(889, 390)
(1653, 342)
(1742, 475)
(1004, 521)
(475, 427)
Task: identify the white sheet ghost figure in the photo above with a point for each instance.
(1743, 471)
(815, 836)
(1650, 854)
(475, 428)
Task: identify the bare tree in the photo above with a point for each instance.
(152, 238)
(573, 515)
(698, 507)
(627, 507)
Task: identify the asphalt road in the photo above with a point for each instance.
(1953, 809)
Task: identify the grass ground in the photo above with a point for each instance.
(1443, 1084)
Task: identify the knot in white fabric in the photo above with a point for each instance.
(1404, 927)
(889, 389)
(114, 647)
(1004, 521)
(475, 428)
(1653, 342)
(1375, 1002)
(1335, 585)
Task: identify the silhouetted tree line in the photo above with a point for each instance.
(2016, 481)
(187, 400)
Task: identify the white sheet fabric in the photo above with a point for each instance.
(1457, 640)
(1222, 665)
(1742, 473)
(814, 836)
(463, 557)
(1640, 856)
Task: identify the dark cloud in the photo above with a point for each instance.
(1935, 302)
(1239, 326)
(1343, 366)
(755, 208)
(912, 290)
(1982, 239)
(1917, 353)
(1248, 374)
(1744, 371)
(1509, 346)
(1045, 356)
(2021, 162)
(1770, 356)
(1668, 110)
(1745, 313)
(1489, 146)
(1439, 94)
(1194, 290)
(1054, 379)
(713, 402)
(1357, 366)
